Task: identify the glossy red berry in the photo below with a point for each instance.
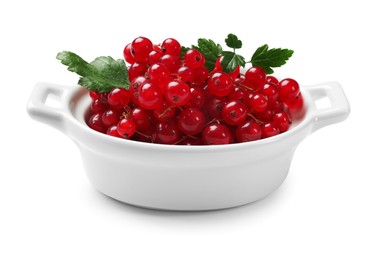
(248, 131)
(164, 111)
(177, 93)
(215, 134)
(95, 122)
(94, 94)
(135, 86)
(186, 74)
(126, 127)
(268, 130)
(154, 57)
(118, 98)
(141, 48)
(159, 74)
(113, 131)
(191, 121)
(137, 69)
(255, 78)
(220, 84)
(172, 62)
(234, 113)
(171, 46)
(288, 90)
(97, 106)
(194, 59)
(110, 117)
(281, 121)
(142, 118)
(271, 79)
(150, 96)
(197, 98)
(257, 103)
(127, 54)
(167, 132)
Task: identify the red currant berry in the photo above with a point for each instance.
(194, 59)
(167, 132)
(154, 57)
(137, 69)
(265, 116)
(281, 121)
(240, 94)
(159, 74)
(272, 80)
(234, 113)
(215, 134)
(177, 93)
(255, 78)
(94, 94)
(140, 48)
(257, 103)
(268, 130)
(197, 98)
(214, 106)
(172, 62)
(270, 91)
(200, 75)
(164, 111)
(248, 131)
(150, 96)
(113, 131)
(220, 84)
(288, 90)
(110, 117)
(142, 118)
(95, 122)
(191, 121)
(97, 106)
(127, 54)
(171, 46)
(126, 127)
(135, 85)
(118, 98)
(296, 107)
(186, 74)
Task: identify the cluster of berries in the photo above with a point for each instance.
(174, 99)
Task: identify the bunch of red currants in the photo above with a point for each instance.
(174, 99)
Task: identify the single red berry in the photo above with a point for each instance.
(296, 107)
(154, 57)
(172, 62)
(200, 75)
(126, 127)
(271, 79)
(135, 86)
(118, 98)
(159, 74)
(113, 131)
(140, 48)
(268, 130)
(186, 74)
(137, 69)
(281, 121)
(270, 91)
(255, 78)
(191, 121)
(95, 122)
(215, 134)
(248, 131)
(97, 106)
(150, 96)
(171, 46)
(127, 54)
(220, 84)
(234, 113)
(197, 98)
(110, 117)
(177, 92)
(142, 118)
(194, 59)
(288, 90)
(265, 116)
(164, 111)
(240, 94)
(94, 94)
(257, 103)
(214, 106)
(167, 132)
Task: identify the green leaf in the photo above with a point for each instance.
(231, 60)
(270, 58)
(102, 74)
(232, 41)
(210, 50)
(183, 51)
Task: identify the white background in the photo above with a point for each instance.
(326, 208)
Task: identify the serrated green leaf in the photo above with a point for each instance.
(232, 41)
(270, 58)
(231, 60)
(102, 74)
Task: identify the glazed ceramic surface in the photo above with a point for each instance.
(173, 177)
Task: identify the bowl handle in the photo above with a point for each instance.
(338, 107)
(46, 104)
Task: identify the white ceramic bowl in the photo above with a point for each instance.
(173, 177)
